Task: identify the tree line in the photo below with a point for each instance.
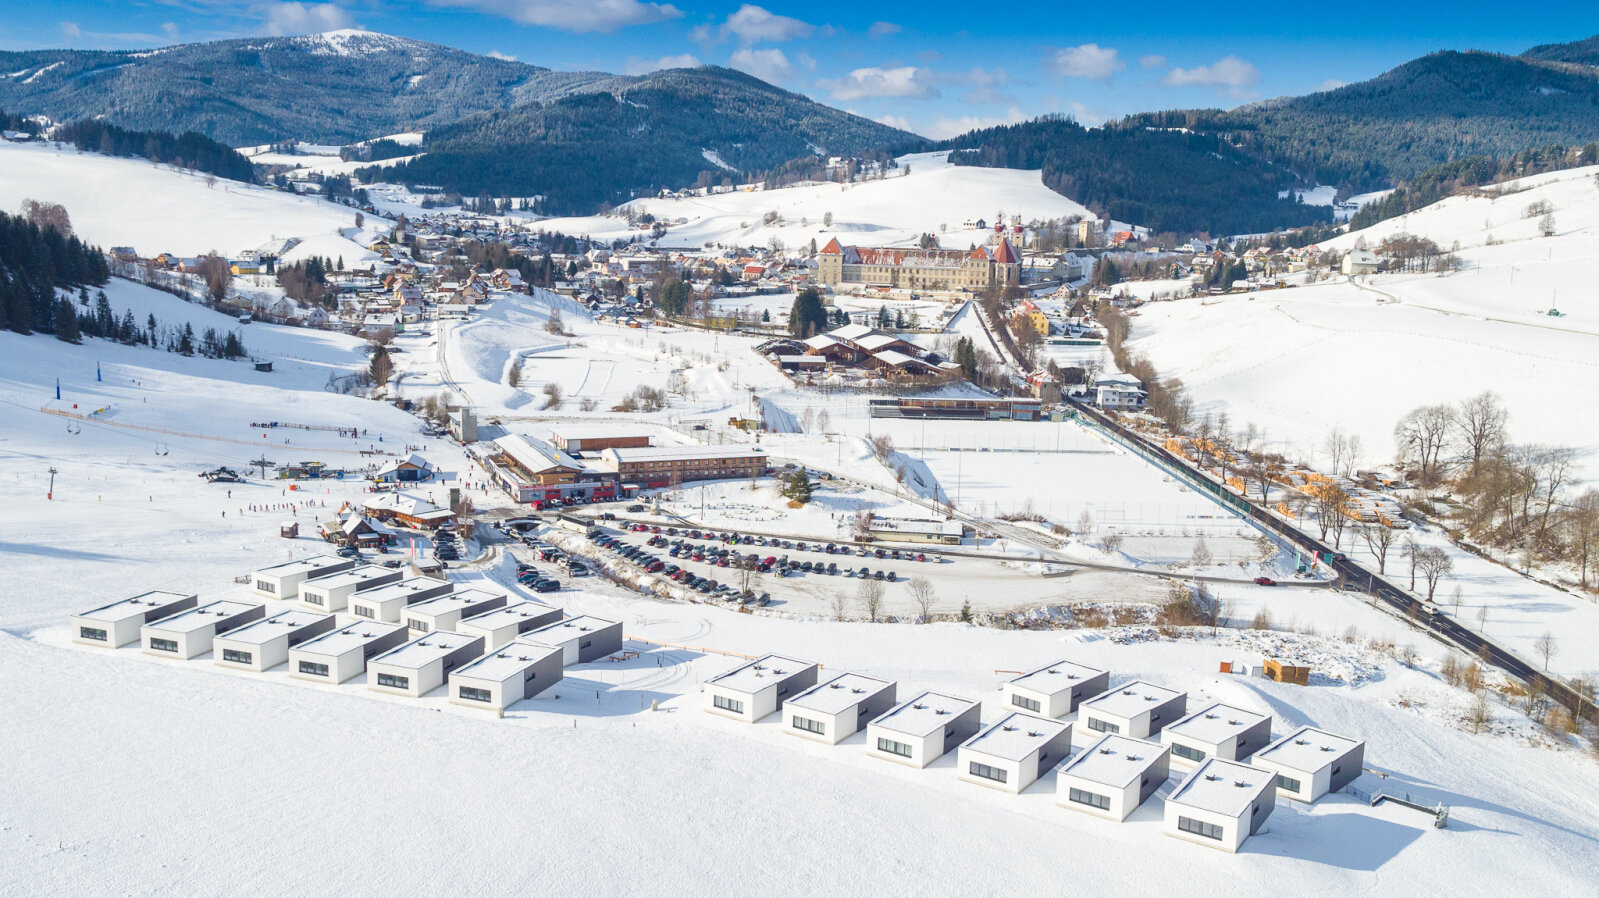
(38, 256)
(187, 150)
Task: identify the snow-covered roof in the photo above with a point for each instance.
(838, 694)
(1307, 749)
(1216, 723)
(459, 600)
(924, 713)
(535, 455)
(1113, 760)
(1131, 699)
(1015, 736)
(755, 676)
(424, 650)
(345, 578)
(667, 453)
(262, 632)
(203, 616)
(1223, 787)
(1053, 678)
(505, 662)
(569, 629)
(514, 613)
(134, 607)
(304, 566)
(349, 636)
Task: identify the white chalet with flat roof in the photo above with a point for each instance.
(922, 730)
(1112, 777)
(1015, 752)
(117, 624)
(837, 708)
(1138, 709)
(757, 688)
(1221, 804)
(1310, 763)
(421, 665)
(265, 644)
(188, 634)
(1217, 731)
(342, 654)
(505, 676)
(1054, 690)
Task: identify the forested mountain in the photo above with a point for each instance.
(659, 130)
(1583, 52)
(1463, 175)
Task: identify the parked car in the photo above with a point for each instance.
(634, 509)
(1265, 581)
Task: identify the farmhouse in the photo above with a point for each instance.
(411, 469)
(444, 612)
(1054, 690)
(505, 676)
(501, 625)
(282, 581)
(343, 653)
(265, 644)
(1112, 777)
(666, 465)
(756, 688)
(421, 665)
(1220, 805)
(916, 530)
(922, 730)
(1137, 709)
(332, 593)
(1013, 753)
(581, 639)
(1310, 763)
(837, 708)
(188, 634)
(117, 624)
(599, 437)
(1120, 394)
(1217, 731)
(386, 603)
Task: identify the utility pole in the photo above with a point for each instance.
(51, 494)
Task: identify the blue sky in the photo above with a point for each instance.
(935, 68)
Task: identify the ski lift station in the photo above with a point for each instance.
(332, 592)
(188, 634)
(387, 603)
(282, 581)
(1221, 804)
(837, 708)
(342, 654)
(1217, 731)
(443, 613)
(421, 665)
(1112, 777)
(265, 644)
(581, 639)
(502, 625)
(1137, 709)
(505, 676)
(117, 624)
(1310, 763)
(1055, 690)
(757, 688)
(1012, 754)
(922, 730)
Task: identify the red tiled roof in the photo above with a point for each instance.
(832, 248)
(1004, 255)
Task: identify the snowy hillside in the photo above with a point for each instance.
(935, 197)
(131, 202)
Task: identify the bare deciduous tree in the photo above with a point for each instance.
(1480, 426)
(922, 593)
(1421, 436)
(840, 605)
(1546, 646)
(870, 594)
(1379, 538)
(882, 445)
(1435, 564)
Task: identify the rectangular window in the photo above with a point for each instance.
(394, 682)
(1089, 798)
(420, 626)
(1199, 828)
(1183, 751)
(313, 668)
(163, 645)
(810, 726)
(728, 704)
(312, 598)
(91, 633)
(476, 695)
(1287, 784)
(236, 657)
(1029, 704)
(987, 772)
(264, 586)
(363, 611)
(528, 677)
(894, 748)
(1100, 726)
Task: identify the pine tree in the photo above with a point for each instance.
(799, 488)
(186, 340)
(66, 322)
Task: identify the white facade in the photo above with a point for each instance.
(922, 730)
(837, 708)
(342, 654)
(265, 644)
(1221, 804)
(1217, 731)
(388, 603)
(1012, 754)
(188, 634)
(503, 677)
(757, 688)
(332, 593)
(1138, 709)
(445, 612)
(282, 581)
(117, 624)
(421, 665)
(501, 625)
(1112, 777)
(1054, 690)
(1309, 763)
(581, 639)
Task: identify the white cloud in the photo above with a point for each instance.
(768, 65)
(74, 34)
(504, 57)
(170, 29)
(806, 60)
(753, 24)
(985, 85)
(1330, 84)
(873, 82)
(1087, 61)
(71, 31)
(895, 121)
(1229, 72)
(1152, 61)
(305, 18)
(945, 126)
(636, 66)
(572, 15)
(883, 29)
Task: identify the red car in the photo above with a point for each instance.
(1265, 581)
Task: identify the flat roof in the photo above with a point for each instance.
(924, 713)
(753, 676)
(838, 694)
(536, 455)
(134, 606)
(1113, 760)
(345, 578)
(513, 613)
(1307, 749)
(1131, 699)
(1216, 723)
(203, 616)
(304, 565)
(424, 649)
(571, 628)
(506, 660)
(402, 589)
(455, 601)
(1057, 677)
(349, 636)
(263, 631)
(918, 525)
(656, 453)
(1015, 736)
(1223, 787)
(601, 431)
